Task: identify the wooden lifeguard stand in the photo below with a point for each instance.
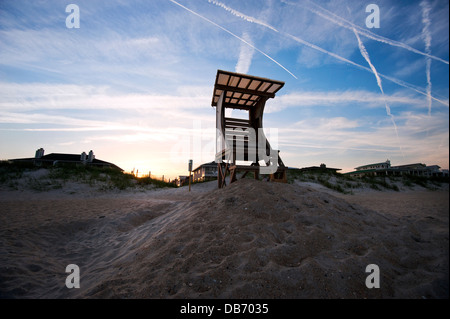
(240, 139)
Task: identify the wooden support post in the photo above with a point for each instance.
(232, 175)
(284, 178)
(279, 176)
(219, 175)
(189, 181)
(224, 175)
(190, 173)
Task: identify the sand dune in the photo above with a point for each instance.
(249, 240)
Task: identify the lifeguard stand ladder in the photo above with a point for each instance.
(243, 139)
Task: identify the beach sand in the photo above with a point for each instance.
(251, 239)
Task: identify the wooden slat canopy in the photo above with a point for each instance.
(242, 90)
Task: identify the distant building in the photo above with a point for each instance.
(205, 172)
(418, 169)
(385, 169)
(382, 165)
(54, 159)
(181, 180)
(321, 168)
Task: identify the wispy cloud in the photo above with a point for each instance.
(364, 99)
(365, 54)
(336, 56)
(427, 38)
(245, 55)
(40, 96)
(392, 79)
(234, 35)
(332, 17)
(242, 16)
(339, 135)
(37, 107)
(33, 97)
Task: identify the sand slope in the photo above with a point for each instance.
(249, 240)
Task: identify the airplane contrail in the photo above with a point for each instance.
(365, 54)
(241, 15)
(427, 38)
(332, 17)
(245, 56)
(315, 47)
(234, 35)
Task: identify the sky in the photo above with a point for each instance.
(134, 81)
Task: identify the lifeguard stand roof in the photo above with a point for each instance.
(243, 91)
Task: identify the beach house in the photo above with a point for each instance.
(386, 169)
(55, 159)
(322, 168)
(205, 172)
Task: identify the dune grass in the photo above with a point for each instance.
(56, 177)
(13, 174)
(346, 184)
